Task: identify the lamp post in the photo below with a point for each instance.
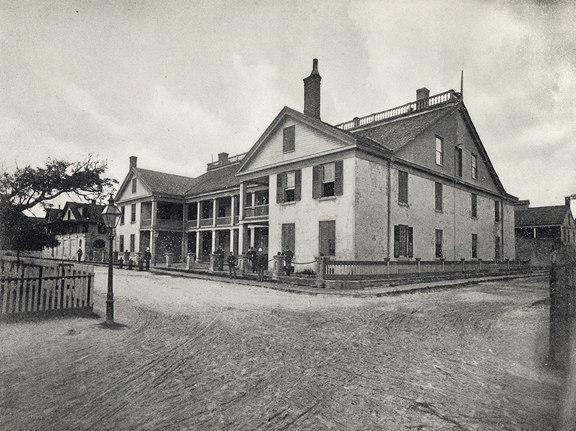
(111, 216)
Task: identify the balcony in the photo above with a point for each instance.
(145, 223)
(191, 224)
(256, 211)
(223, 221)
(169, 224)
(206, 222)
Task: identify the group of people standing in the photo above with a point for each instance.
(258, 261)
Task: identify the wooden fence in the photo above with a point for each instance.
(34, 286)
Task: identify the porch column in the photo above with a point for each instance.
(198, 215)
(254, 199)
(242, 197)
(252, 236)
(198, 234)
(213, 241)
(184, 244)
(233, 209)
(231, 240)
(214, 211)
(241, 233)
(153, 232)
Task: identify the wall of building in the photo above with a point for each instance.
(308, 212)
(371, 209)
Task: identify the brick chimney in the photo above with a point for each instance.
(312, 92)
(133, 161)
(422, 95)
(223, 158)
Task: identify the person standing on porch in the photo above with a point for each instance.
(231, 260)
(80, 253)
(261, 262)
(252, 259)
(147, 258)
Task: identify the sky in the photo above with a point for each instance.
(176, 82)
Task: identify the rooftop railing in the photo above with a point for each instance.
(408, 108)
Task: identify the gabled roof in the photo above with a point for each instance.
(541, 216)
(82, 211)
(53, 215)
(216, 179)
(164, 184)
(394, 133)
(344, 136)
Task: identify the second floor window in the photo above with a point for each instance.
(474, 166)
(288, 187)
(473, 205)
(403, 187)
(289, 139)
(438, 196)
(122, 215)
(439, 151)
(133, 213)
(458, 161)
(328, 180)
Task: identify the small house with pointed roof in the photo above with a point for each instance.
(540, 230)
(410, 182)
(77, 226)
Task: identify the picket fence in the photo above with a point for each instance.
(34, 286)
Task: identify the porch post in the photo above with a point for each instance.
(214, 211)
(242, 197)
(213, 241)
(198, 233)
(232, 241)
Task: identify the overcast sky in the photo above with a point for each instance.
(177, 82)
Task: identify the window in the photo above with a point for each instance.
(474, 246)
(458, 161)
(474, 166)
(132, 242)
(289, 139)
(328, 238)
(328, 180)
(496, 211)
(473, 205)
(121, 245)
(289, 236)
(134, 182)
(288, 187)
(403, 240)
(439, 151)
(133, 213)
(438, 196)
(403, 187)
(497, 247)
(122, 214)
(439, 235)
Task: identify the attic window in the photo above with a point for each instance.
(134, 185)
(439, 151)
(474, 166)
(289, 139)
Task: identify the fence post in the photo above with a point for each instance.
(387, 259)
(278, 266)
(418, 259)
(462, 260)
(190, 258)
(479, 265)
(442, 259)
(320, 270)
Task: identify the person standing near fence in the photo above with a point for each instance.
(288, 256)
(147, 258)
(262, 263)
(252, 259)
(231, 260)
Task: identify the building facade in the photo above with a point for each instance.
(411, 182)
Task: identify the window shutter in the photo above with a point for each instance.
(339, 178)
(279, 188)
(317, 182)
(410, 243)
(297, 185)
(396, 241)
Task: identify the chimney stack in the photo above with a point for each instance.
(223, 158)
(133, 160)
(312, 92)
(422, 95)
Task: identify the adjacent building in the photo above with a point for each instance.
(540, 230)
(411, 182)
(77, 226)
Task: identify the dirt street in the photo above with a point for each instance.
(205, 355)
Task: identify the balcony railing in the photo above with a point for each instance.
(438, 99)
(206, 222)
(220, 221)
(170, 224)
(256, 211)
(191, 224)
(145, 223)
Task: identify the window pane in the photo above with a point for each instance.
(439, 243)
(439, 151)
(458, 156)
(438, 196)
(289, 139)
(403, 187)
(328, 172)
(474, 166)
(290, 180)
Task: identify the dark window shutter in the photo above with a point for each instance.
(396, 241)
(317, 182)
(289, 139)
(280, 188)
(297, 185)
(339, 178)
(410, 243)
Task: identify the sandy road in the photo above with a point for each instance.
(197, 354)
